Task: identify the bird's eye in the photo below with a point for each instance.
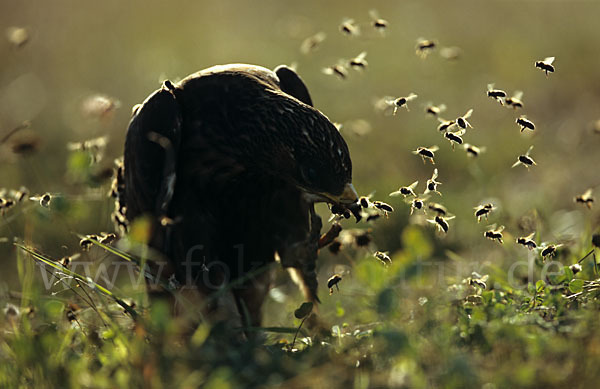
(310, 174)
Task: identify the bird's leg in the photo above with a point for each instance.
(302, 256)
(328, 237)
(309, 259)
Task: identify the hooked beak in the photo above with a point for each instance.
(348, 196)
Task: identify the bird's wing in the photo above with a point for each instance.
(291, 83)
(151, 146)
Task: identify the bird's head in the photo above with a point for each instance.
(272, 127)
(324, 168)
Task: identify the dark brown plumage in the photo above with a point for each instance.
(235, 156)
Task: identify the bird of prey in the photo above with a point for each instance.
(228, 164)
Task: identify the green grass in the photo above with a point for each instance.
(401, 329)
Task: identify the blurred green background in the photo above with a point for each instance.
(124, 50)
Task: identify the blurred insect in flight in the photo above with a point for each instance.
(527, 241)
(450, 53)
(438, 208)
(472, 150)
(312, 43)
(424, 47)
(100, 107)
(86, 243)
(383, 207)
(336, 70)
(359, 62)
(17, 36)
(435, 110)
(546, 65)
(496, 94)
(428, 153)
(377, 22)
(66, 261)
(349, 27)
(455, 137)
(365, 201)
(373, 216)
(441, 222)
(20, 194)
(445, 124)
(549, 250)
(400, 102)
(596, 127)
(43, 199)
(108, 238)
(525, 123)
(478, 280)
(525, 160)
(334, 280)
(462, 122)
(417, 203)
(483, 211)
(406, 190)
(586, 199)
(383, 257)
(6, 204)
(515, 100)
(495, 234)
(432, 183)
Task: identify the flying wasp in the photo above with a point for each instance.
(462, 122)
(417, 203)
(424, 47)
(586, 199)
(349, 27)
(336, 70)
(472, 150)
(383, 207)
(384, 257)
(400, 102)
(495, 234)
(549, 250)
(455, 137)
(108, 238)
(478, 280)
(44, 199)
(432, 183)
(377, 22)
(86, 243)
(334, 280)
(546, 65)
(438, 208)
(496, 94)
(359, 62)
(21, 194)
(426, 153)
(482, 211)
(525, 123)
(312, 43)
(441, 222)
(527, 241)
(406, 190)
(435, 110)
(515, 100)
(445, 124)
(525, 160)
(6, 204)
